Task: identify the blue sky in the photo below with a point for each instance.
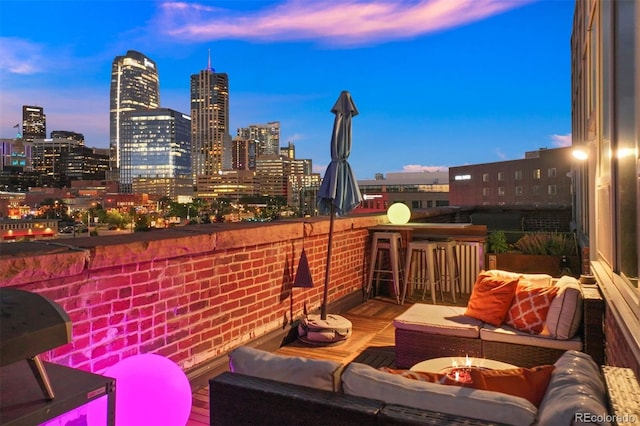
(438, 83)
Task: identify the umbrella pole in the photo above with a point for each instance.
(323, 309)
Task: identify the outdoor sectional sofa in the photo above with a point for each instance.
(430, 331)
(265, 388)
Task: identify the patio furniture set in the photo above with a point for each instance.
(266, 388)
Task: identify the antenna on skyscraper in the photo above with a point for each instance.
(209, 62)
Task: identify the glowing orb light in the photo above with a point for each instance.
(150, 390)
(398, 213)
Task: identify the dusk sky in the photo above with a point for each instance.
(438, 83)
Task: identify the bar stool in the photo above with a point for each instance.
(385, 263)
(445, 267)
(419, 261)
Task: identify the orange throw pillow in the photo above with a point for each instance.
(528, 383)
(528, 311)
(423, 376)
(491, 298)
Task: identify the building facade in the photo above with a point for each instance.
(419, 190)
(605, 86)
(34, 123)
(135, 86)
(243, 156)
(541, 178)
(157, 144)
(267, 137)
(59, 161)
(210, 138)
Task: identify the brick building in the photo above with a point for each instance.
(542, 178)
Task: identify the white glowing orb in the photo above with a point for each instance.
(150, 390)
(398, 213)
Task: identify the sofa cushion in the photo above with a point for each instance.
(528, 311)
(528, 383)
(423, 376)
(576, 388)
(319, 374)
(507, 334)
(565, 311)
(438, 319)
(366, 381)
(543, 280)
(491, 298)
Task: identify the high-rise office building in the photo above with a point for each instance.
(135, 86)
(244, 154)
(34, 123)
(157, 147)
(267, 137)
(210, 138)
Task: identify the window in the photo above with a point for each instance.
(485, 177)
(519, 191)
(536, 190)
(500, 190)
(518, 175)
(486, 192)
(552, 190)
(551, 172)
(536, 174)
(500, 176)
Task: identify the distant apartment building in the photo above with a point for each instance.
(135, 86)
(418, 190)
(243, 156)
(16, 172)
(34, 123)
(58, 161)
(541, 178)
(267, 137)
(231, 184)
(156, 147)
(288, 151)
(210, 138)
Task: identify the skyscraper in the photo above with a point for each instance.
(158, 143)
(210, 138)
(135, 86)
(34, 123)
(267, 137)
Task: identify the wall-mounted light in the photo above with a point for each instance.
(398, 213)
(580, 153)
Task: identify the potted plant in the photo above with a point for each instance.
(552, 253)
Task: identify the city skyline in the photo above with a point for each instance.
(451, 82)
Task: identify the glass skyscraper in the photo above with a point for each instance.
(34, 123)
(210, 138)
(158, 145)
(135, 86)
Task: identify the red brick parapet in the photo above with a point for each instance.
(189, 293)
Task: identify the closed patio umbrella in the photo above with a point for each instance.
(339, 192)
(338, 195)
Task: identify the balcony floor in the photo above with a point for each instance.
(372, 342)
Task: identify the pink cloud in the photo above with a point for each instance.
(561, 141)
(348, 23)
(419, 168)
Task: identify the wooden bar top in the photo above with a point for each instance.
(424, 230)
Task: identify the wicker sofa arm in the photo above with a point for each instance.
(238, 399)
(624, 394)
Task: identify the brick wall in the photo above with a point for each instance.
(188, 293)
(617, 350)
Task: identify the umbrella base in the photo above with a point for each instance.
(333, 330)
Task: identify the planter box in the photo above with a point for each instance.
(532, 263)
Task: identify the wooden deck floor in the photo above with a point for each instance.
(372, 342)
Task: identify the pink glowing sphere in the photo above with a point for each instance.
(150, 390)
